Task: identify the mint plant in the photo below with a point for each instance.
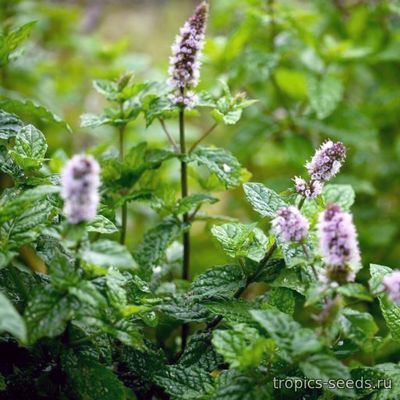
(85, 313)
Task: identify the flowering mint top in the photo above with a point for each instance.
(391, 283)
(338, 237)
(309, 190)
(79, 188)
(184, 62)
(327, 161)
(289, 225)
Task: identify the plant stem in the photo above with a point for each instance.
(186, 218)
(184, 193)
(202, 137)
(124, 209)
(169, 136)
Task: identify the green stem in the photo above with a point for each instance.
(184, 193)
(186, 218)
(124, 208)
(202, 137)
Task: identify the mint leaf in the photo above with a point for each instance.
(218, 283)
(263, 200)
(89, 379)
(239, 240)
(325, 367)
(343, 195)
(10, 320)
(10, 125)
(220, 162)
(107, 254)
(324, 94)
(183, 382)
(48, 312)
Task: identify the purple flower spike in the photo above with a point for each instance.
(391, 284)
(309, 190)
(184, 67)
(338, 237)
(79, 188)
(289, 225)
(327, 161)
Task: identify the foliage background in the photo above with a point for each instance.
(273, 50)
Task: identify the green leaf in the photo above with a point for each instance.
(30, 148)
(375, 375)
(280, 326)
(109, 89)
(10, 125)
(239, 240)
(233, 311)
(343, 195)
(25, 228)
(11, 41)
(228, 108)
(102, 225)
(93, 120)
(324, 94)
(10, 320)
(377, 274)
(107, 254)
(48, 312)
(155, 243)
(220, 162)
(356, 291)
(239, 385)
(391, 386)
(218, 283)
(199, 352)
(183, 308)
(291, 338)
(263, 200)
(33, 112)
(241, 347)
(360, 327)
(282, 299)
(325, 368)
(184, 383)
(90, 380)
(158, 107)
(390, 310)
(193, 201)
(22, 201)
(62, 271)
(391, 313)
(292, 82)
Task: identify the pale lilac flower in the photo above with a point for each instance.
(184, 67)
(391, 284)
(309, 190)
(79, 188)
(338, 237)
(188, 100)
(327, 161)
(289, 225)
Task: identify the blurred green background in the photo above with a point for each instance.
(286, 53)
